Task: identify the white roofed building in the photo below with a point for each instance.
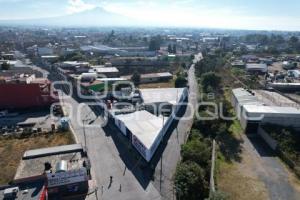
(146, 128)
(108, 72)
(252, 113)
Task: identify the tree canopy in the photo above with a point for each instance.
(197, 151)
(210, 80)
(180, 81)
(155, 43)
(136, 78)
(5, 66)
(190, 181)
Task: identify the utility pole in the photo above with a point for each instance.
(160, 181)
(161, 159)
(84, 134)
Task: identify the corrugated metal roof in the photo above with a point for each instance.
(168, 95)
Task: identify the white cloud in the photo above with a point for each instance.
(75, 6)
(176, 14)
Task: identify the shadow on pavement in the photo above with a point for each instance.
(261, 146)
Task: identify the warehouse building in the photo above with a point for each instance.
(243, 97)
(257, 68)
(252, 113)
(146, 128)
(109, 72)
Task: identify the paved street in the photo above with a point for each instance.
(166, 166)
(270, 170)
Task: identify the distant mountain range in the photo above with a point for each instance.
(95, 17)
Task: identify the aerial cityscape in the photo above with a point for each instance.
(149, 100)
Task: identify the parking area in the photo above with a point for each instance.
(279, 66)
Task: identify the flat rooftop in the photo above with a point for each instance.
(272, 110)
(153, 75)
(75, 63)
(104, 70)
(28, 191)
(52, 151)
(111, 79)
(144, 125)
(162, 95)
(256, 66)
(32, 163)
(244, 97)
(271, 98)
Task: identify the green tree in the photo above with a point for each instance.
(170, 50)
(210, 80)
(190, 183)
(76, 56)
(192, 57)
(294, 44)
(5, 66)
(293, 40)
(136, 78)
(174, 49)
(155, 43)
(196, 151)
(180, 81)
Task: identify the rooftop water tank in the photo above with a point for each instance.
(62, 166)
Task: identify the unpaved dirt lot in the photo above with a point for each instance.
(260, 175)
(12, 150)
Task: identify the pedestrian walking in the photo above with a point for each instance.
(110, 181)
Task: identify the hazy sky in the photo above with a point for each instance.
(244, 14)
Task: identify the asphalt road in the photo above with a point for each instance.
(270, 170)
(170, 155)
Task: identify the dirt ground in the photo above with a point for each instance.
(260, 175)
(238, 180)
(12, 150)
(276, 66)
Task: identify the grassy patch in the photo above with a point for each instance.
(12, 150)
(236, 129)
(169, 84)
(239, 187)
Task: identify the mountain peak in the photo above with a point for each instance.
(94, 17)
